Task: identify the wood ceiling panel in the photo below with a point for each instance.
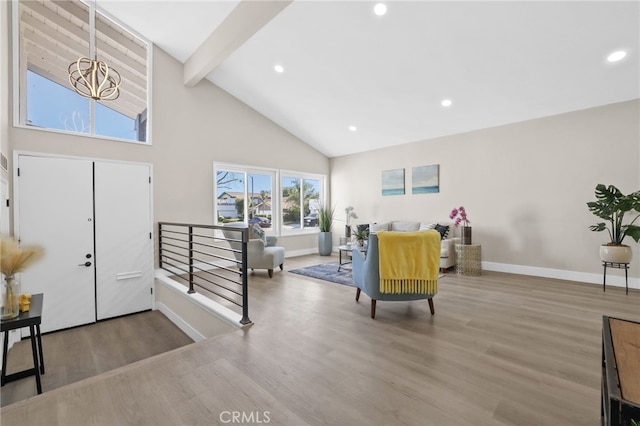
(56, 33)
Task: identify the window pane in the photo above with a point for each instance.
(52, 36)
(229, 196)
(311, 188)
(124, 117)
(291, 199)
(259, 190)
(53, 106)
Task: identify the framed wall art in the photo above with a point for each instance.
(425, 179)
(393, 182)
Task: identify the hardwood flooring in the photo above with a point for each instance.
(501, 350)
(78, 353)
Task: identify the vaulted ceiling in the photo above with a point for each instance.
(354, 81)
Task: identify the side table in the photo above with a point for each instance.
(468, 259)
(348, 249)
(32, 319)
(616, 265)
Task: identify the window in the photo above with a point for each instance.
(245, 194)
(49, 36)
(300, 198)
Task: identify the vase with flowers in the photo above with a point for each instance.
(460, 216)
(350, 214)
(14, 259)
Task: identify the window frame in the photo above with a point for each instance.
(247, 170)
(19, 96)
(322, 196)
(277, 228)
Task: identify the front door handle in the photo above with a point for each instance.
(87, 264)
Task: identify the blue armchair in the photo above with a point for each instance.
(366, 276)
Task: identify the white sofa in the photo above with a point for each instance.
(447, 245)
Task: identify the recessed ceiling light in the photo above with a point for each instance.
(616, 56)
(380, 9)
(446, 103)
(353, 128)
(279, 68)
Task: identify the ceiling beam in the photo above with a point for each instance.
(244, 21)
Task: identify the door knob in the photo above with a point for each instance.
(87, 264)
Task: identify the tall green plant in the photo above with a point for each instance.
(611, 205)
(325, 217)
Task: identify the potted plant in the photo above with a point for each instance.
(325, 221)
(361, 235)
(611, 205)
(460, 215)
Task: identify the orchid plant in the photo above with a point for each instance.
(460, 214)
(350, 214)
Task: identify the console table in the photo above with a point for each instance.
(32, 319)
(468, 259)
(620, 387)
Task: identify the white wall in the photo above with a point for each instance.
(524, 185)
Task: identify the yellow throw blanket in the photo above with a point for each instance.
(409, 262)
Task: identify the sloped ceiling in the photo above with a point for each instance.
(498, 62)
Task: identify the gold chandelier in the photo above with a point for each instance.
(94, 79)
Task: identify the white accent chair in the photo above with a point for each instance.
(261, 254)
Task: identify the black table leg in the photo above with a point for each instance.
(5, 349)
(604, 277)
(34, 351)
(40, 349)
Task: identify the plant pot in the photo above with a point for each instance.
(465, 235)
(616, 254)
(325, 244)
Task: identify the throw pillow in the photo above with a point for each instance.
(443, 230)
(427, 226)
(256, 232)
(375, 227)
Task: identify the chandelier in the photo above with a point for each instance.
(94, 79)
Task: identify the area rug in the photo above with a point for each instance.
(327, 272)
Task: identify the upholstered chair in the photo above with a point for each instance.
(366, 276)
(262, 252)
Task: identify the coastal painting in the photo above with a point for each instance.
(393, 182)
(425, 179)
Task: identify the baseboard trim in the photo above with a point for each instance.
(194, 334)
(583, 277)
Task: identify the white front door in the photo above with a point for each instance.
(124, 248)
(55, 211)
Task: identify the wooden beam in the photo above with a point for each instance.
(243, 22)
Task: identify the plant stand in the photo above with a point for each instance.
(615, 265)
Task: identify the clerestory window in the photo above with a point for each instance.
(48, 37)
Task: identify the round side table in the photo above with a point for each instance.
(468, 259)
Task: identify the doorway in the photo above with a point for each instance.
(93, 218)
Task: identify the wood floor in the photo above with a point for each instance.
(501, 350)
(78, 353)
